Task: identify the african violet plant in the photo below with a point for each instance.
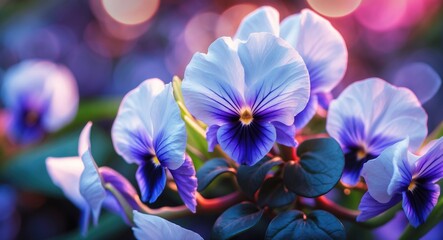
(240, 114)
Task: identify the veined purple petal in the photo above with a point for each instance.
(123, 186)
(420, 78)
(370, 207)
(276, 76)
(150, 227)
(308, 112)
(353, 167)
(91, 185)
(430, 165)
(169, 130)
(211, 136)
(84, 220)
(285, 134)
(386, 113)
(418, 203)
(151, 179)
(65, 173)
(321, 46)
(186, 182)
(247, 144)
(324, 99)
(213, 85)
(84, 143)
(132, 132)
(264, 19)
(384, 172)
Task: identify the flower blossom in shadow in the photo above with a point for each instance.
(247, 93)
(321, 46)
(87, 186)
(398, 175)
(40, 97)
(150, 227)
(368, 117)
(150, 132)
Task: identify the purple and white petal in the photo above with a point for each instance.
(276, 78)
(151, 179)
(263, 19)
(211, 137)
(45, 85)
(235, 140)
(132, 131)
(308, 112)
(65, 173)
(119, 182)
(285, 134)
(370, 207)
(321, 46)
(430, 165)
(186, 182)
(150, 227)
(213, 85)
(421, 78)
(91, 185)
(169, 132)
(419, 202)
(381, 171)
(388, 114)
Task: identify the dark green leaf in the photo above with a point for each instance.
(235, 220)
(28, 169)
(294, 224)
(319, 169)
(210, 170)
(274, 194)
(250, 178)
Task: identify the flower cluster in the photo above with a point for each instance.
(239, 110)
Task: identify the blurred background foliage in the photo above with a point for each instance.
(111, 46)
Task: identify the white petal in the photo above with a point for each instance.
(321, 46)
(65, 173)
(134, 118)
(149, 227)
(264, 19)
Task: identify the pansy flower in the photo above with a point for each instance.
(248, 93)
(397, 175)
(150, 132)
(40, 97)
(320, 45)
(368, 117)
(150, 227)
(84, 183)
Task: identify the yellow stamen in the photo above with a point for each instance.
(361, 154)
(412, 186)
(155, 160)
(246, 116)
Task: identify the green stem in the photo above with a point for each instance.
(122, 201)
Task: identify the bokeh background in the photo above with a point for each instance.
(112, 45)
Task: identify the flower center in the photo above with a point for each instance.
(361, 153)
(156, 161)
(412, 186)
(31, 118)
(246, 116)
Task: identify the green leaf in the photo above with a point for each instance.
(250, 178)
(28, 169)
(210, 170)
(274, 194)
(294, 224)
(235, 220)
(318, 170)
(435, 217)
